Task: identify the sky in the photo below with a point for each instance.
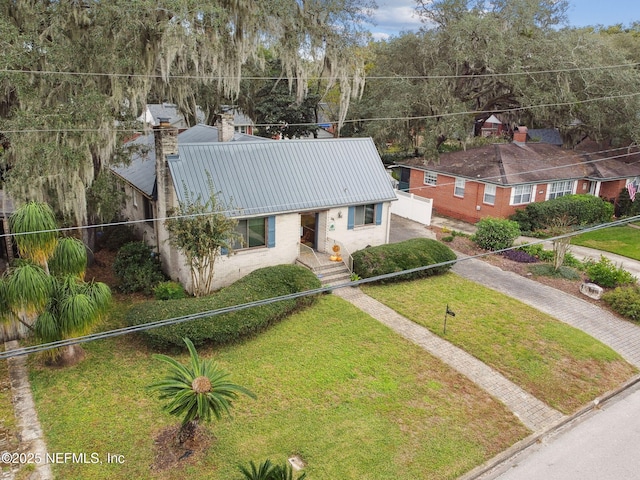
(395, 16)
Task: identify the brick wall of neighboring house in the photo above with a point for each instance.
(612, 189)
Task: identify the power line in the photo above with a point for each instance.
(357, 120)
(248, 212)
(274, 77)
(176, 320)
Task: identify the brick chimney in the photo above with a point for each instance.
(225, 127)
(520, 135)
(166, 143)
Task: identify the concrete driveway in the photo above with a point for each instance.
(403, 229)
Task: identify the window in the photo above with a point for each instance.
(459, 189)
(364, 215)
(148, 210)
(521, 194)
(489, 194)
(559, 189)
(253, 231)
(430, 178)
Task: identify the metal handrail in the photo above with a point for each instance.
(313, 269)
(346, 259)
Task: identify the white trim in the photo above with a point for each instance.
(489, 186)
(561, 184)
(532, 194)
(458, 186)
(433, 180)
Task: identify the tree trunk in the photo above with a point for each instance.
(187, 432)
(69, 355)
(560, 248)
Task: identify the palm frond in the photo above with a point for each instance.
(69, 258)
(34, 217)
(28, 288)
(263, 471)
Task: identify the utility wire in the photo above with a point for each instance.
(248, 212)
(176, 320)
(273, 77)
(356, 120)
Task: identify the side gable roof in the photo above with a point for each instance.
(141, 171)
(283, 176)
(508, 164)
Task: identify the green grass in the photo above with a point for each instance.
(334, 386)
(560, 365)
(623, 241)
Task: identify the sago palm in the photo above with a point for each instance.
(196, 392)
(268, 471)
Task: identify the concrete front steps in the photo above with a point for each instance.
(329, 272)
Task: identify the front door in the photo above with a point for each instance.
(309, 229)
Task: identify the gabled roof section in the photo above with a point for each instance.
(141, 172)
(508, 164)
(546, 135)
(263, 178)
(609, 163)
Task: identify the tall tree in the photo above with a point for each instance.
(45, 291)
(76, 74)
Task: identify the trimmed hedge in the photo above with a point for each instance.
(229, 327)
(396, 257)
(579, 209)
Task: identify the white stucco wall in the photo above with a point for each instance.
(358, 237)
(230, 268)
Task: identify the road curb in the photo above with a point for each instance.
(503, 457)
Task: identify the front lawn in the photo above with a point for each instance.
(623, 241)
(334, 386)
(560, 365)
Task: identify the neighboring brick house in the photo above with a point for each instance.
(283, 193)
(498, 179)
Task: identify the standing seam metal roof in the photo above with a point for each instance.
(261, 178)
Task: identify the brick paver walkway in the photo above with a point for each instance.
(533, 413)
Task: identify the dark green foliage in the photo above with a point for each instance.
(578, 210)
(537, 250)
(115, 237)
(169, 291)
(220, 329)
(137, 269)
(625, 207)
(496, 233)
(606, 274)
(625, 301)
(396, 257)
(268, 471)
(547, 270)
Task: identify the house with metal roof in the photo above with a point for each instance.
(288, 196)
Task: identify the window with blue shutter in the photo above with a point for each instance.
(271, 231)
(378, 214)
(350, 218)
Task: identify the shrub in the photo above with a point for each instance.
(396, 257)
(261, 284)
(448, 238)
(606, 274)
(625, 301)
(169, 291)
(578, 209)
(496, 233)
(115, 237)
(547, 270)
(519, 256)
(136, 268)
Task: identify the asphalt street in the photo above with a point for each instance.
(601, 445)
